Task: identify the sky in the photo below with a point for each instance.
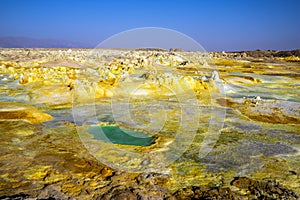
(217, 25)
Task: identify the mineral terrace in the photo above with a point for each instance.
(245, 106)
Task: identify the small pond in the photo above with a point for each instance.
(116, 135)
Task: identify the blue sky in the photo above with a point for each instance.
(215, 24)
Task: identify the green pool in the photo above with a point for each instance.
(116, 135)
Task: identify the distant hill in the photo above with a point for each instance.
(25, 42)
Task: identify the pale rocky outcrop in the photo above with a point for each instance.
(20, 111)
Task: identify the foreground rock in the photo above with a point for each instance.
(263, 189)
(245, 188)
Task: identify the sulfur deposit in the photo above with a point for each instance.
(52, 98)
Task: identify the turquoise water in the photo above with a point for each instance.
(116, 135)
